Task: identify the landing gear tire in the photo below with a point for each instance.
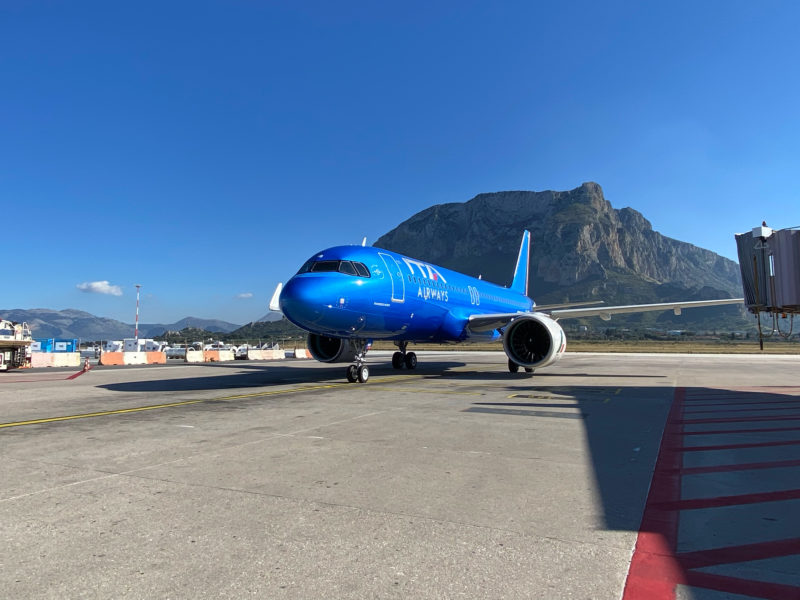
(512, 366)
(411, 361)
(352, 373)
(397, 360)
(362, 374)
(529, 370)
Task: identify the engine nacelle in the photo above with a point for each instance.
(534, 340)
(330, 349)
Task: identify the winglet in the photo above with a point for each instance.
(274, 304)
(520, 281)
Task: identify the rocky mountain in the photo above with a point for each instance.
(70, 323)
(582, 249)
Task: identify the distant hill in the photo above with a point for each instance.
(270, 317)
(71, 323)
(582, 249)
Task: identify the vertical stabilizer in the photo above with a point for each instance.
(520, 281)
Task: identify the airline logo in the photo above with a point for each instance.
(423, 269)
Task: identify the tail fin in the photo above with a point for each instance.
(520, 281)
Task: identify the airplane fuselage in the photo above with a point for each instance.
(371, 293)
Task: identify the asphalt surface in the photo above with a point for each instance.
(456, 480)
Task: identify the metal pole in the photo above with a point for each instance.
(136, 326)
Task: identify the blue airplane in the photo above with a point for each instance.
(348, 296)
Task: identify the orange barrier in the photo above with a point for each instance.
(112, 358)
(133, 358)
(156, 358)
(210, 355)
(301, 353)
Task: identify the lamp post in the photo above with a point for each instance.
(136, 326)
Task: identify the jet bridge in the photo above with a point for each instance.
(769, 260)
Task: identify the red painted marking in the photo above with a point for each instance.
(777, 464)
(737, 446)
(719, 501)
(743, 553)
(730, 410)
(78, 374)
(654, 571)
(717, 431)
(73, 376)
(655, 568)
(797, 402)
(747, 587)
(738, 420)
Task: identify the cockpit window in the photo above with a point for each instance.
(328, 266)
(361, 269)
(324, 266)
(347, 267)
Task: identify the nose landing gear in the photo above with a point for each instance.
(409, 359)
(359, 371)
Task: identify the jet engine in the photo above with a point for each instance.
(330, 349)
(534, 340)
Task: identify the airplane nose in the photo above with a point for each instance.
(301, 301)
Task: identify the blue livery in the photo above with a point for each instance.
(348, 296)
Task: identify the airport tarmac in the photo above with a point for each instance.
(457, 480)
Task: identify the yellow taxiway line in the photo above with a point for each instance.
(123, 411)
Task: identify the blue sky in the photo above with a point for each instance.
(206, 149)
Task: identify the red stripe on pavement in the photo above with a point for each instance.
(654, 571)
(743, 553)
(737, 446)
(713, 412)
(719, 431)
(39, 379)
(778, 464)
(738, 420)
(718, 501)
(746, 587)
(730, 410)
(744, 403)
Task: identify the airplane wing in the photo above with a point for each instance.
(481, 323)
(605, 312)
(488, 322)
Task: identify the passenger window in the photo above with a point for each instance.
(361, 269)
(347, 267)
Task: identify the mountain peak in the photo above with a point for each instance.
(583, 248)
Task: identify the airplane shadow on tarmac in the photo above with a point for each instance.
(254, 376)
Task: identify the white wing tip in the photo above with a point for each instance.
(274, 304)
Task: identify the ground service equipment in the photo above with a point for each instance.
(15, 340)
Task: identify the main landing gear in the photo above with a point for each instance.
(409, 359)
(514, 367)
(359, 371)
